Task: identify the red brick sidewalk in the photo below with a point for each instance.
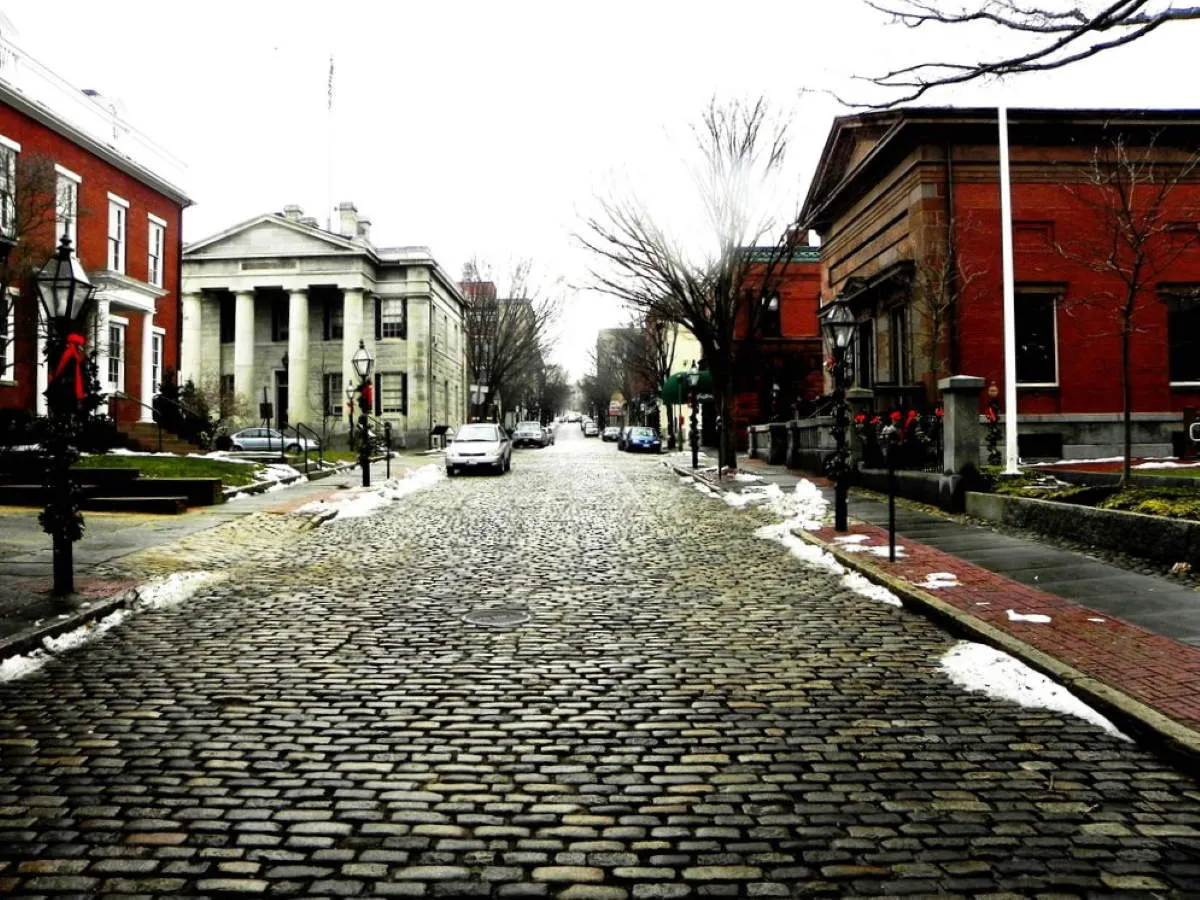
(1119, 666)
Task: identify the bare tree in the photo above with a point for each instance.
(36, 207)
(741, 147)
(1138, 229)
(506, 335)
(939, 281)
(1060, 37)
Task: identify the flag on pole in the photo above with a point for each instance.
(330, 92)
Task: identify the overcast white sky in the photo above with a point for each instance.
(487, 128)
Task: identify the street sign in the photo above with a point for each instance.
(614, 409)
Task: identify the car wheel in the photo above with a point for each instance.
(237, 447)
(450, 472)
(293, 448)
(508, 464)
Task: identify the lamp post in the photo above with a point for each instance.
(362, 362)
(66, 294)
(837, 325)
(693, 377)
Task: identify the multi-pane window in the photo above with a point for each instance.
(1183, 338)
(8, 339)
(393, 392)
(389, 317)
(155, 240)
(118, 210)
(66, 211)
(8, 186)
(1036, 338)
(116, 356)
(156, 362)
(331, 393)
(899, 345)
(334, 320)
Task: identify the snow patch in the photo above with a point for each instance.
(935, 580)
(1014, 616)
(980, 668)
(860, 584)
(356, 503)
(168, 590)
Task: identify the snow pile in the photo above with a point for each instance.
(356, 503)
(977, 667)
(168, 590)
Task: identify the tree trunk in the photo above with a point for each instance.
(727, 446)
(1126, 402)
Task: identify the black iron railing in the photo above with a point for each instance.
(303, 431)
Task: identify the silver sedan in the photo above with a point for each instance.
(479, 446)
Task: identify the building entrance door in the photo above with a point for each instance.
(281, 398)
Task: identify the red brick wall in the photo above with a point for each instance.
(1088, 336)
(99, 179)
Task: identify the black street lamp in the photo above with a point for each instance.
(693, 377)
(837, 325)
(362, 362)
(993, 428)
(66, 294)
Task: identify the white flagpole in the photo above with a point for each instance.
(1010, 311)
(329, 151)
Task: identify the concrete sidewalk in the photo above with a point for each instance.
(29, 613)
(1126, 643)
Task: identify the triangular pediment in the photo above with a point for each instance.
(269, 235)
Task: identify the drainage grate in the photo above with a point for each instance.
(497, 617)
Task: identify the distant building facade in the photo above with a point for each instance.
(274, 309)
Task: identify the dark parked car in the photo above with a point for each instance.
(623, 438)
(643, 439)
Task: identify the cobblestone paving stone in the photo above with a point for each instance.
(688, 712)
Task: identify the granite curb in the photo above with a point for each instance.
(29, 639)
(1154, 729)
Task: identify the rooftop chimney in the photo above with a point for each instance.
(348, 215)
(364, 229)
(310, 221)
(293, 213)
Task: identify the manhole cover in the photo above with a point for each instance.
(497, 618)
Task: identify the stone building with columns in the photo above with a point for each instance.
(275, 307)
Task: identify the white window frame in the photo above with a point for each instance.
(158, 346)
(8, 185)
(8, 359)
(118, 231)
(156, 240)
(117, 330)
(66, 213)
(332, 389)
(390, 320)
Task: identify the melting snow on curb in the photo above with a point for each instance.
(977, 667)
(935, 580)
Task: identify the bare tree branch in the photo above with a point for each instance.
(1070, 35)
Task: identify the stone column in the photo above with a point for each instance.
(353, 315)
(147, 398)
(192, 337)
(243, 349)
(103, 307)
(960, 422)
(297, 371)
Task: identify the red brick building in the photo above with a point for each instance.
(779, 372)
(69, 164)
(907, 204)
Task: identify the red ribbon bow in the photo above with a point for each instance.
(73, 352)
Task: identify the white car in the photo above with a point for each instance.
(479, 446)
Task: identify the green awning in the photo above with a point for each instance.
(676, 388)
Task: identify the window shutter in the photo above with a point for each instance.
(404, 321)
(378, 392)
(404, 393)
(378, 318)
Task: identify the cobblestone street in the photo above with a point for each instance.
(687, 711)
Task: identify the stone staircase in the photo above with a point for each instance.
(144, 436)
